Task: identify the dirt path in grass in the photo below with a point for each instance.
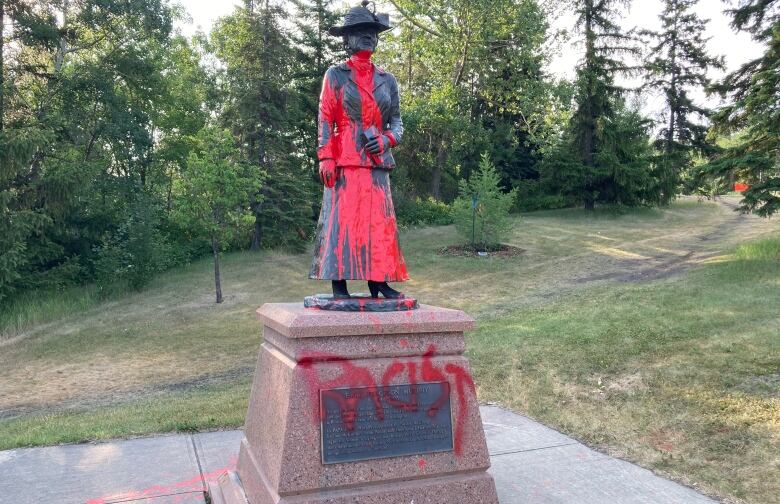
(162, 342)
(603, 252)
(690, 249)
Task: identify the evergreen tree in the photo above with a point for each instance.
(753, 112)
(481, 211)
(315, 51)
(603, 157)
(678, 64)
(605, 43)
(623, 171)
(257, 86)
(19, 143)
(77, 137)
(472, 81)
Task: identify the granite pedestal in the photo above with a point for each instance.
(363, 408)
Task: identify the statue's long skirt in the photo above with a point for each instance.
(357, 235)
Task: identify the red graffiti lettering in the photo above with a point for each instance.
(352, 376)
(358, 377)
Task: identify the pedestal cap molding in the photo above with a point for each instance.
(294, 321)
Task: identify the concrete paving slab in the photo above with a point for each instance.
(531, 463)
(100, 473)
(508, 432)
(217, 451)
(576, 474)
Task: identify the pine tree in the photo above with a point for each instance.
(754, 112)
(20, 141)
(678, 64)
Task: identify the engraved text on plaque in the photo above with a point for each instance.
(370, 423)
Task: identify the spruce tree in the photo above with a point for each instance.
(606, 160)
(596, 85)
(315, 50)
(21, 139)
(753, 112)
(678, 64)
(259, 62)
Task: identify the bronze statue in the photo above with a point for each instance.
(359, 124)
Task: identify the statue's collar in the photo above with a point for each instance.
(346, 68)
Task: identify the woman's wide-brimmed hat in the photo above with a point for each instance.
(361, 17)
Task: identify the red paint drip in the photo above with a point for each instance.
(361, 218)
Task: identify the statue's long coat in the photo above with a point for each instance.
(357, 236)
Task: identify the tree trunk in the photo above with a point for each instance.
(217, 279)
(169, 196)
(2, 64)
(441, 159)
(589, 128)
(319, 56)
(411, 58)
(62, 50)
(460, 66)
(673, 99)
(590, 204)
(257, 235)
(589, 121)
(674, 106)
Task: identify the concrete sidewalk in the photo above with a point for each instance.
(531, 463)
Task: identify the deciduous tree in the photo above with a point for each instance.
(216, 190)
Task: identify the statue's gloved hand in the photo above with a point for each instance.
(378, 145)
(328, 172)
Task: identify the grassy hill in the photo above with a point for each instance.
(652, 335)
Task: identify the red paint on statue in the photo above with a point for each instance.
(357, 238)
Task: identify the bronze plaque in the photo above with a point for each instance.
(380, 422)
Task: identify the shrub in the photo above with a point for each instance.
(487, 222)
(423, 212)
(531, 197)
(136, 251)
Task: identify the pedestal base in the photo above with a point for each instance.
(461, 489)
(357, 358)
(227, 490)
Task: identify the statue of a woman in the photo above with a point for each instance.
(359, 123)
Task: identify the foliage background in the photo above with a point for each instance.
(102, 105)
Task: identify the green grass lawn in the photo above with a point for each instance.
(681, 375)
(652, 335)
